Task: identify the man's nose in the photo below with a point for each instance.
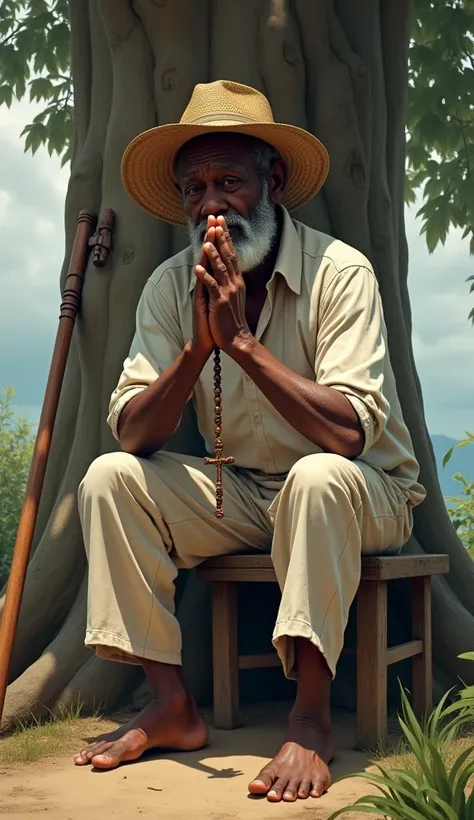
(213, 204)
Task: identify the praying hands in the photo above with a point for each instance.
(218, 271)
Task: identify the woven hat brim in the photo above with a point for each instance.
(148, 163)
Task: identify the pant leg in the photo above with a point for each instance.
(143, 518)
(329, 511)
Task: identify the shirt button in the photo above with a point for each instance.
(366, 423)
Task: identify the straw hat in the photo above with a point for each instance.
(148, 162)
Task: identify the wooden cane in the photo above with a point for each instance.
(219, 459)
(69, 306)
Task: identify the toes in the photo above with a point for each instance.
(85, 757)
(319, 787)
(110, 757)
(291, 792)
(262, 783)
(304, 789)
(276, 792)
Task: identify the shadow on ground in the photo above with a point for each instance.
(211, 783)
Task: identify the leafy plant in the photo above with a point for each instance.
(35, 58)
(431, 792)
(440, 119)
(16, 449)
(461, 510)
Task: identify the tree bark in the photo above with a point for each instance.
(335, 67)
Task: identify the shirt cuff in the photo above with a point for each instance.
(117, 407)
(366, 419)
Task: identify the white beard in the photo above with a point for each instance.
(255, 238)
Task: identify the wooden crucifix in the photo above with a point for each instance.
(218, 459)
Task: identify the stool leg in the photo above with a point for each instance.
(421, 626)
(371, 663)
(225, 654)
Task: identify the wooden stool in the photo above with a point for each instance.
(373, 655)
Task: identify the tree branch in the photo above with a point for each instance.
(8, 37)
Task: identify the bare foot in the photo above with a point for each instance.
(300, 769)
(176, 725)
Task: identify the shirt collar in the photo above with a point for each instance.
(288, 262)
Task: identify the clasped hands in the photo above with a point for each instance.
(219, 293)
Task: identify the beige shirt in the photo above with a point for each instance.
(322, 318)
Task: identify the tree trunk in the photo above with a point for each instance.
(335, 67)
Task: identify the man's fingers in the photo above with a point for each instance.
(221, 223)
(219, 270)
(209, 237)
(206, 279)
(200, 290)
(227, 252)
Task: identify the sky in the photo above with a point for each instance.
(32, 192)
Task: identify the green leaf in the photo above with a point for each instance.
(36, 135)
(41, 88)
(6, 95)
(448, 455)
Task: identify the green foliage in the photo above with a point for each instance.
(440, 120)
(461, 509)
(35, 58)
(431, 792)
(16, 449)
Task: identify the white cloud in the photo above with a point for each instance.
(31, 249)
(5, 199)
(43, 228)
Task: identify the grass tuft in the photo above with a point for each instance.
(60, 732)
(398, 755)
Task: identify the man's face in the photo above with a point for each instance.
(218, 176)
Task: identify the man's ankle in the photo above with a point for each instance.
(315, 717)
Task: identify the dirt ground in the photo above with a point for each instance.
(208, 784)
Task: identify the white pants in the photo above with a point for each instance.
(144, 518)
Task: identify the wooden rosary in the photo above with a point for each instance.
(219, 459)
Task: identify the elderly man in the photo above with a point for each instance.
(324, 467)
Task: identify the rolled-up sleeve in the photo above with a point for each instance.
(351, 347)
(157, 343)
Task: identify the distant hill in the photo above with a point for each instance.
(462, 461)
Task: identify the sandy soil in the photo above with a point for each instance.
(207, 784)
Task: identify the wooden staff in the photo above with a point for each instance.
(83, 241)
(219, 459)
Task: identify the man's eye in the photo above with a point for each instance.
(193, 190)
(230, 182)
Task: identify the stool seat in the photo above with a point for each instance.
(373, 656)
